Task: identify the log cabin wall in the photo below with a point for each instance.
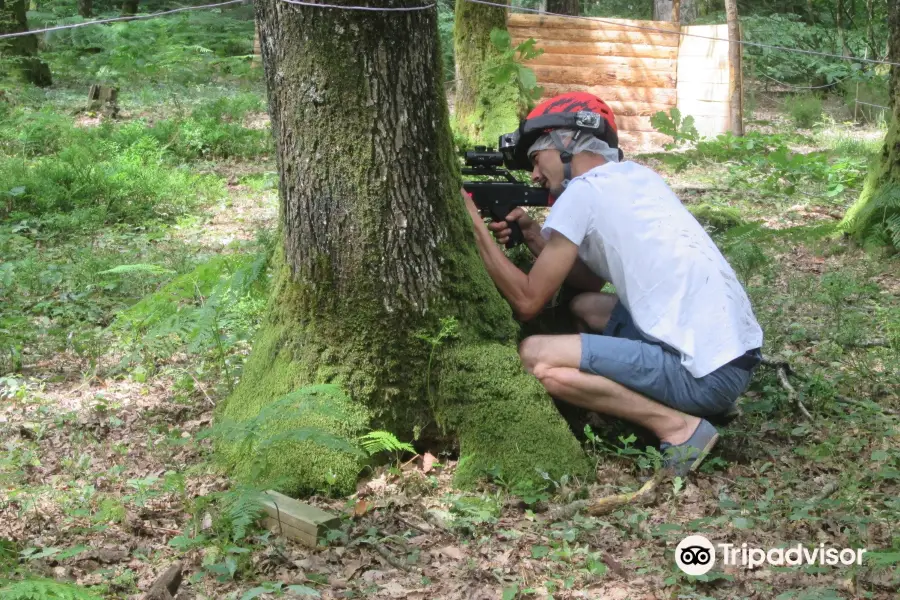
(636, 71)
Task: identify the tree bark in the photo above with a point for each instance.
(129, 7)
(875, 217)
(687, 12)
(734, 59)
(377, 251)
(564, 7)
(86, 8)
(484, 108)
(21, 51)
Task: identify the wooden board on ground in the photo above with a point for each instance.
(295, 519)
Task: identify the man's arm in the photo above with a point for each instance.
(527, 293)
(580, 277)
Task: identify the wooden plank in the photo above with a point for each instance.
(704, 108)
(591, 35)
(633, 124)
(700, 46)
(554, 46)
(705, 76)
(638, 109)
(710, 92)
(551, 22)
(299, 515)
(580, 60)
(638, 95)
(283, 529)
(641, 141)
(708, 126)
(604, 77)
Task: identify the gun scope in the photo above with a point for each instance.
(484, 157)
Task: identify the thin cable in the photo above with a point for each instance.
(875, 105)
(99, 21)
(797, 87)
(679, 33)
(371, 8)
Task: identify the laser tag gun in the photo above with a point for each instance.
(496, 199)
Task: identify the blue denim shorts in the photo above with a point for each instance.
(652, 369)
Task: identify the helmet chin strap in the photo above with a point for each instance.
(565, 153)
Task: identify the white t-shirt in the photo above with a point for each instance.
(633, 231)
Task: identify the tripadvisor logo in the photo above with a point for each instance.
(696, 555)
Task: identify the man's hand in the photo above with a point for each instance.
(501, 229)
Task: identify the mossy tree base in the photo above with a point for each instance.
(378, 256)
(875, 216)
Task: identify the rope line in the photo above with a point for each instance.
(99, 21)
(370, 8)
(797, 87)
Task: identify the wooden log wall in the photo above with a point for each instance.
(638, 72)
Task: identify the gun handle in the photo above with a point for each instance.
(515, 236)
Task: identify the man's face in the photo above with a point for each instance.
(548, 171)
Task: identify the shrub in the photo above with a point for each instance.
(804, 110)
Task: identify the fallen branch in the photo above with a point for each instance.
(792, 393)
(608, 504)
(391, 559)
(825, 493)
(166, 586)
(777, 364)
(423, 528)
(872, 406)
(567, 511)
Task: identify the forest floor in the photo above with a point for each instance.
(107, 476)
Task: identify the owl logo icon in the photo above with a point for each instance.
(695, 555)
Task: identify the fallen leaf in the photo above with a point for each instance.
(428, 461)
(452, 552)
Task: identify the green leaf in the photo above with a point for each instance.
(510, 593)
(742, 523)
(527, 78)
(302, 590)
(255, 592)
(879, 455)
(500, 38)
(539, 551)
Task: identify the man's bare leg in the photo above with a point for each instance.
(555, 359)
(592, 310)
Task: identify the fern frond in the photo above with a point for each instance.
(43, 589)
(383, 441)
(240, 508)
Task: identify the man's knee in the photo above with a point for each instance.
(530, 352)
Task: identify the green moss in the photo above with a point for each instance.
(504, 417)
(869, 219)
(718, 218)
(484, 108)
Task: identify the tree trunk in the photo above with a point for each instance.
(875, 217)
(377, 251)
(86, 8)
(564, 7)
(734, 60)
(21, 51)
(688, 11)
(129, 7)
(870, 28)
(484, 108)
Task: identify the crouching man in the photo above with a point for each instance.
(678, 341)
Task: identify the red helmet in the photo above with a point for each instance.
(573, 110)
